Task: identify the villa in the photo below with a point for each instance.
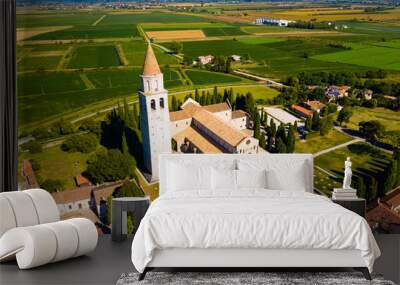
(206, 59)
(334, 92)
(314, 105)
(301, 111)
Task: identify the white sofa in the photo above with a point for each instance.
(31, 230)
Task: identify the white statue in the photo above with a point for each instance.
(347, 174)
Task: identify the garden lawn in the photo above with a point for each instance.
(207, 78)
(318, 143)
(390, 119)
(94, 56)
(367, 161)
(57, 164)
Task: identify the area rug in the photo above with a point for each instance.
(244, 278)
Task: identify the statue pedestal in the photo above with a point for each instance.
(343, 194)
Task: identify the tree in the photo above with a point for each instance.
(124, 145)
(256, 124)
(111, 165)
(63, 127)
(280, 146)
(291, 140)
(371, 129)
(35, 164)
(325, 126)
(32, 146)
(85, 143)
(281, 133)
(316, 121)
(129, 189)
(308, 124)
(361, 190)
(344, 115)
(52, 185)
(176, 47)
(262, 141)
(90, 125)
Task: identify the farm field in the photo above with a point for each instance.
(90, 32)
(149, 17)
(318, 143)
(95, 56)
(38, 63)
(390, 119)
(135, 52)
(176, 34)
(50, 19)
(208, 78)
(273, 58)
(383, 57)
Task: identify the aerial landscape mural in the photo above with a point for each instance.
(104, 87)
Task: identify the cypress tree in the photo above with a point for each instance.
(290, 144)
(280, 146)
(361, 190)
(262, 142)
(256, 124)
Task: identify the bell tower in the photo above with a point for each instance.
(154, 114)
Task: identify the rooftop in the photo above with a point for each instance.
(223, 130)
(302, 110)
(204, 145)
(238, 114)
(150, 66)
(315, 105)
(280, 115)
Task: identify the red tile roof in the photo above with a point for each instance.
(302, 110)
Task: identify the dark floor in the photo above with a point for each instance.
(110, 260)
(103, 266)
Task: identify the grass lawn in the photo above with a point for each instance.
(390, 119)
(370, 56)
(57, 164)
(319, 143)
(150, 190)
(367, 161)
(95, 56)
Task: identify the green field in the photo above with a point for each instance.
(38, 63)
(207, 78)
(318, 143)
(56, 19)
(182, 26)
(259, 40)
(95, 56)
(135, 52)
(150, 17)
(57, 164)
(90, 32)
(223, 31)
(276, 59)
(390, 119)
(384, 57)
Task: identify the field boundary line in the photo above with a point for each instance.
(325, 171)
(337, 147)
(65, 59)
(185, 77)
(89, 84)
(121, 54)
(98, 20)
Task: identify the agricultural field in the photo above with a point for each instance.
(95, 56)
(272, 58)
(149, 17)
(208, 78)
(38, 63)
(385, 56)
(175, 35)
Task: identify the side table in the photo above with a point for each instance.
(357, 205)
(120, 207)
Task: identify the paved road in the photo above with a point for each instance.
(337, 147)
(270, 81)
